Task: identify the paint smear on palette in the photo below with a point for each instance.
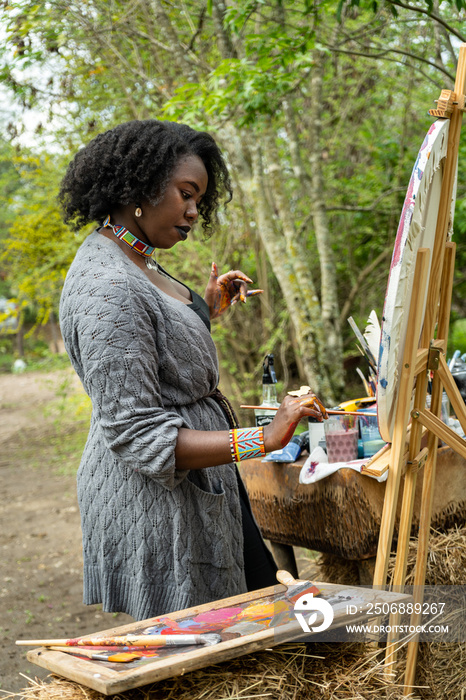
(210, 621)
(246, 627)
(297, 591)
(280, 619)
(172, 627)
(142, 652)
(264, 609)
(218, 617)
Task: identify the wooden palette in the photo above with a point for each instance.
(246, 623)
(416, 230)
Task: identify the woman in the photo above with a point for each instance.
(165, 518)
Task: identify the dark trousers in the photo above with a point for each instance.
(259, 564)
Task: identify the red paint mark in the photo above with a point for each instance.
(289, 434)
(312, 589)
(223, 615)
(171, 626)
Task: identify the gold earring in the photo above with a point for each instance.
(138, 212)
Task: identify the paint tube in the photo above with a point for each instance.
(290, 452)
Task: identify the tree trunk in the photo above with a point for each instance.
(294, 250)
(223, 38)
(283, 267)
(328, 291)
(54, 333)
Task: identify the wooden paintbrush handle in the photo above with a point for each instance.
(287, 579)
(145, 640)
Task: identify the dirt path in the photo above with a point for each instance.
(41, 436)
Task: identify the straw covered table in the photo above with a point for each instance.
(340, 514)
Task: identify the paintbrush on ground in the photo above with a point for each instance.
(144, 640)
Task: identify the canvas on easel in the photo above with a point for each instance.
(417, 314)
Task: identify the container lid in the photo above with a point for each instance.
(268, 376)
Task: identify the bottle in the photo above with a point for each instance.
(269, 394)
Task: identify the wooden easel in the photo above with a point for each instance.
(418, 360)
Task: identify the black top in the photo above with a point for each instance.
(198, 305)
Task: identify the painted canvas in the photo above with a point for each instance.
(246, 623)
(416, 230)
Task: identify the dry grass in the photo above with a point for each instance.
(446, 560)
(290, 672)
(341, 671)
(442, 667)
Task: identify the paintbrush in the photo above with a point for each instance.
(145, 640)
(115, 657)
(365, 349)
(329, 411)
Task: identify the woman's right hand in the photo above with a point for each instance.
(279, 432)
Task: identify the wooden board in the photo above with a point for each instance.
(267, 613)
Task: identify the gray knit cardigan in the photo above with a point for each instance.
(155, 538)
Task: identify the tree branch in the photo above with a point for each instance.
(387, 193)
(362, 276)
(169, 49)
(383, 54)
(437, 18)
(198, 30)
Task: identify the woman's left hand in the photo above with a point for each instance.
(221, 292)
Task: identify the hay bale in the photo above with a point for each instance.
(339, 671)
(441, 667)
(335, 569)
(289, 672)
(446, 560)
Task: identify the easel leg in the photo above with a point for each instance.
(423, 540)
(399, 576)
(399, 432)
(406, 519)
(431, 464)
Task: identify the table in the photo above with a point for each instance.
(340, 514)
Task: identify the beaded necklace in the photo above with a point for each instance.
(130, 239)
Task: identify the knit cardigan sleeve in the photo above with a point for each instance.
(110, 336)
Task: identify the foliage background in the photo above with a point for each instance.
(320, 108)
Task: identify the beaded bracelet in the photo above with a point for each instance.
(246, 443)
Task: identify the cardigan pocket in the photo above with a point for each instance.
(210, 501)
(211, 522)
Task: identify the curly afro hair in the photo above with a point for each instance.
(134, 161)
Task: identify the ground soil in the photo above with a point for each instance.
(41, 436)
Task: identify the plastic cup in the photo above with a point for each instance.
(371, 439)
(316, 434)
(341, 434)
